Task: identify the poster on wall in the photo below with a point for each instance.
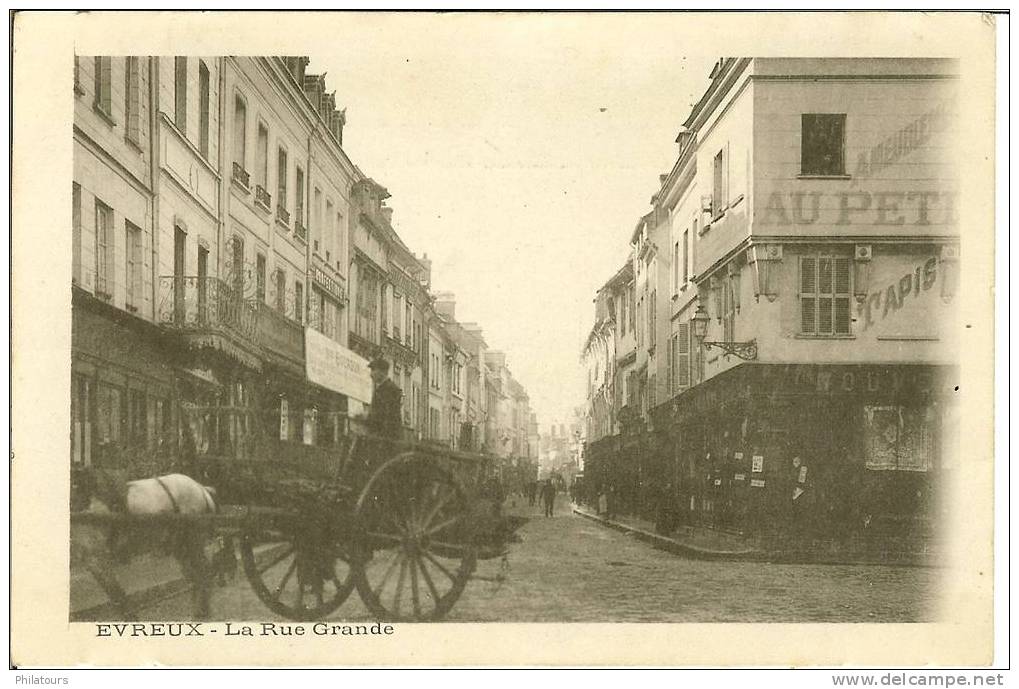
(758, 464)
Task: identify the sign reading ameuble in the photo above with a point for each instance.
(335, 367)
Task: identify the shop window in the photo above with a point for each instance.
(898, 438)
(81, 420)
(110, 414)
(138, 417)
(824, 295)
(260, 278)
(822, 145)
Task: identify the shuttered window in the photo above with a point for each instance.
(180, 94)
(824, 295)
(203, 109)
(683, 355)
(132, 99)
(104, 81)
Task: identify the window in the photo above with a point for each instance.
(281, 178)
(110, 414)
(203, 109)
(237, 265)
(260, 278)
(686, 255)
(262, 157)
(384, 301)
(104, 86)
(240, 130)
(299, 302)
(180, 94)
(281, 291)
(652, 319)
(316, 221)
(822, 145)
(104, 250)
(328, 239)
(299, 198)
(75, 233)
(408, 323)
(622, 315)
(179, 249)
(824, 295)
(203, 290)
(137, 417)
(133, 265)
(682, 355)
(367, 306)
(81, 420)
(718, 185)
(729, 306)
(397, 310)
(675, 268)
(132, 99)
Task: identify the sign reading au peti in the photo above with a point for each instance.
(335, 367)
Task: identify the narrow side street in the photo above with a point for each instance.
(569, 569)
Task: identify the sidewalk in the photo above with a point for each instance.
(686, 540)
(707, 544)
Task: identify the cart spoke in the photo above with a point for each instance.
(428, 580)
(431, 558)
(414, 589)
(276, 560)
(286, 577)
(445, 524)
(399, 586)
(397, 556)
(385, 537)
(426, 522)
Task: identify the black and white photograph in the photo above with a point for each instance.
(413, 321)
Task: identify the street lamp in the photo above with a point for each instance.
(744, 350)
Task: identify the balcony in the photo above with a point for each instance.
(262, 197)
(241, 177)
(283, 215)
(300, 231)
(208, 313)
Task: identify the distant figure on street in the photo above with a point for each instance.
(548, 497)
(532, 492)
(385, 419)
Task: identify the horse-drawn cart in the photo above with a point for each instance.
(403, 524)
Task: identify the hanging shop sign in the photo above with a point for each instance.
(284, 419)
(758, 464)
(335, 367)
(803, 475)
(757, 483)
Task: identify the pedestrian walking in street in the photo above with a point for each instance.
(532, 492)
(548, 497)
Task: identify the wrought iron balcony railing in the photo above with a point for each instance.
(241, 175)
(191, 303)
(283, 215)
(262, 197)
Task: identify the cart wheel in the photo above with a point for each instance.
(419, 552)
(297, 572)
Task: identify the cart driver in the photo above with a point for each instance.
(385, 418)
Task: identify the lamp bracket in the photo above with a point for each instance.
(743, 350)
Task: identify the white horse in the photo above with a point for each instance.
(100, 544)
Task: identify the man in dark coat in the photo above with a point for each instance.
(548, 497)
(385, 418)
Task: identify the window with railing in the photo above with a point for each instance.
(281, 186)
(299, 201)
(367, 306)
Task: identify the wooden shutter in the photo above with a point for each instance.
(841, 294)
(808, 294)
(683, 356)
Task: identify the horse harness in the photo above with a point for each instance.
(173, 500)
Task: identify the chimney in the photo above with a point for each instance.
(445, 305)
(427, 272)
(339, 120)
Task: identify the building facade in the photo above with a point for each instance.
(807, 355)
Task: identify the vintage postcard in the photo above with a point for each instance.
(502, 338)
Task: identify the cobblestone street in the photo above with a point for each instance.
(569, 569)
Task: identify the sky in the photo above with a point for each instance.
(520, 151)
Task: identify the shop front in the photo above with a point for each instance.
(804, 452)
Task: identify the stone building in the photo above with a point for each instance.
(806, 358)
